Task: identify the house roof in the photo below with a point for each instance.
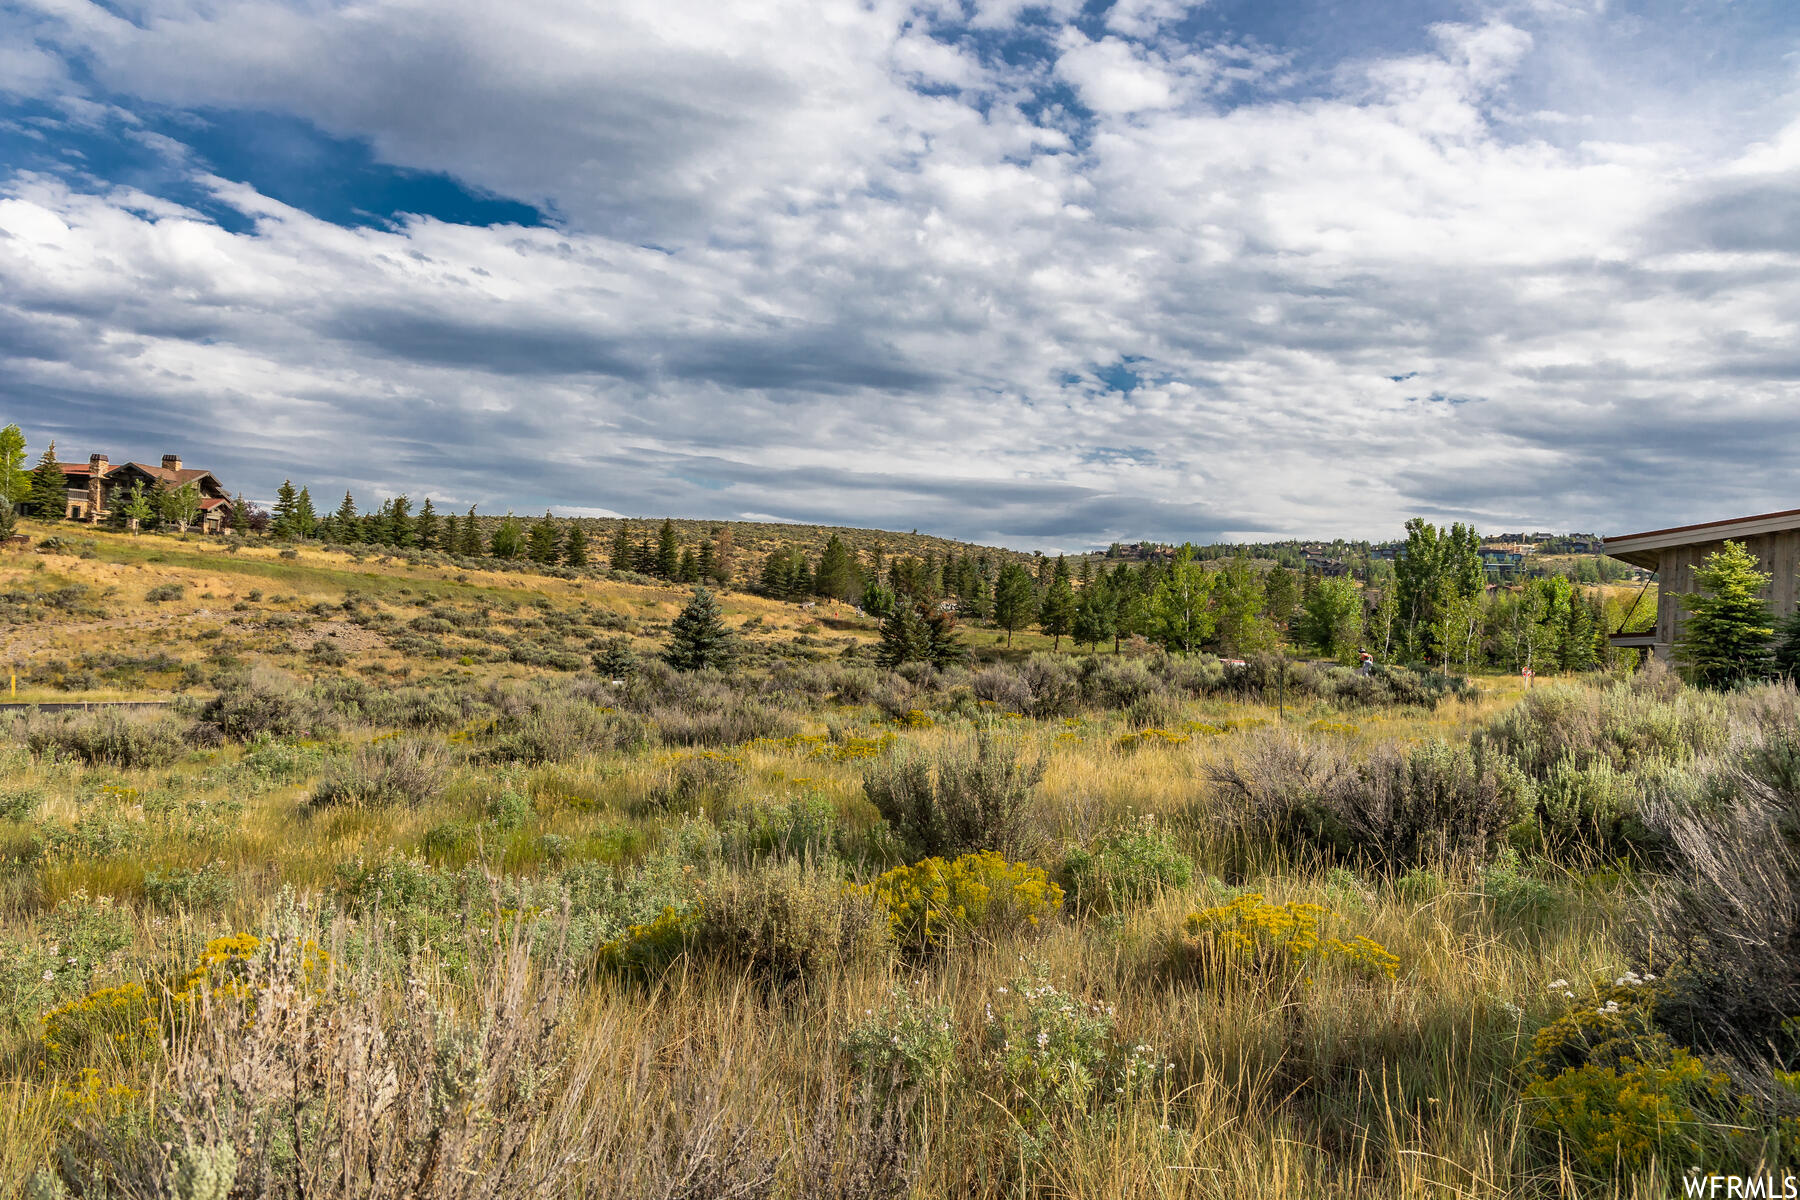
(159, 473)
(215, 502)
(185, 475)
(1640, 549)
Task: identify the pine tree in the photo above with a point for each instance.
(724, 556)
(615, 659)
(1131, 607)
(1015, 599)
(668, 553)
(345, 527)
(1096, 612)
(836, 577)
(1726, 637)
(285, 497)
(378, 526)
(1787, 646)
(643, 559)
(541, 544)
(623, 557)
(575, 546)
(698, 638)
(709, 563)
(940, 633)
(1056, 615)
(401, 532)
(468, 538)
(688, 571)
(425, 528)
(878, 600)
(49, 493)
(240, 515)
(904, 637)
(305, 520)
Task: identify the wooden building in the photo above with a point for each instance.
(1674, 553)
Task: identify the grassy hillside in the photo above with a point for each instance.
(396, 899)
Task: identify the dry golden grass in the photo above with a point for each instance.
(1334, 1087)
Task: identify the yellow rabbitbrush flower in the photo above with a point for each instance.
(122, 1017)
(1152, 737)
(1252, 932)
(934, 900)
(1613, 1121)
(129, 1017)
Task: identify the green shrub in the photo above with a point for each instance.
(506, 810)
(1625, 724)
(1052, 1058)
(166, 591)
(269, 763)
(387, 771)
(19, 802)
(1590, 809)
(120, 739)
(800, 826)
(265, 702)
(1125, 867)
(967, 795)
(79, 938)
(551, 729)
(781, 924)
(1432, 802)
(697, 780)
(208, 886)
(906, 1043)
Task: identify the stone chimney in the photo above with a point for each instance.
(96, 488)
(171, 462)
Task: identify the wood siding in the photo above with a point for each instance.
(1778, 553)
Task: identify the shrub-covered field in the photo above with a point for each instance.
(1072, 925)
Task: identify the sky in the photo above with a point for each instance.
(1038, 275)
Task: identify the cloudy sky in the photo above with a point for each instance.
(1046, 275)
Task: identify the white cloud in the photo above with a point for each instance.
(875, 303)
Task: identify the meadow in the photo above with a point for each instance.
(402, 895)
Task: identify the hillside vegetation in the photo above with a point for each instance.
(435, 879)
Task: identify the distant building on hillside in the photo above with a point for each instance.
(1502, 563)
(1674, 553)
(94, 486)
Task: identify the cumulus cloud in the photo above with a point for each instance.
(1004, 272)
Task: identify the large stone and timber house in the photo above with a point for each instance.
(1674, 553)
(93, 487)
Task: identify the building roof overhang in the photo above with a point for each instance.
(1642, 549)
